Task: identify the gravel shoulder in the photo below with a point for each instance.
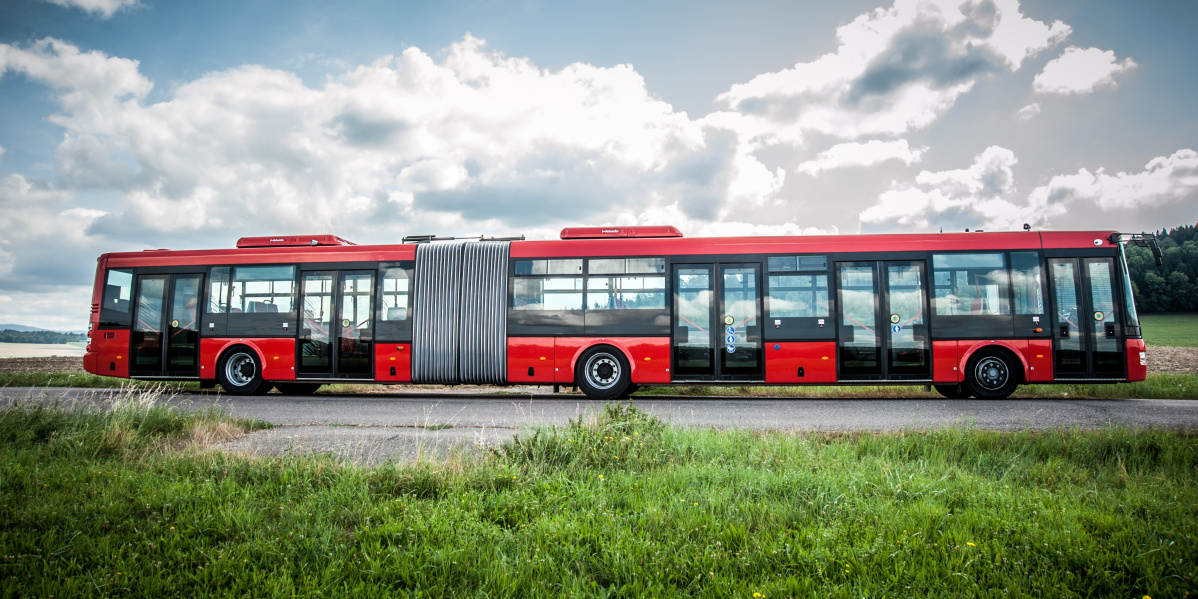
(372, 445)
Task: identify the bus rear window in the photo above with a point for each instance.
(116, 304)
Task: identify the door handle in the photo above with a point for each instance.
(1064, 331)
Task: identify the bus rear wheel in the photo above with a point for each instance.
(603, 373)
(953, 391)
(991, 375)
(240, 373)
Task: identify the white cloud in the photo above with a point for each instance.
(43, 242)
(477, 142)
(1028, 112)
(103, 8)
(869, 153)
(984, 195)
(58, 309)
(85, 213)
(1080, 71)
(975, 197)
(87, 77)
(1165, 179)
(895, 70)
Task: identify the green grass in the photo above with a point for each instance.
(1178, 329)
(86, 379)
(619, 506)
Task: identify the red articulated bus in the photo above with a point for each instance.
(612, 309)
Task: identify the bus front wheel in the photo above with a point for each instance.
(991, 375)
(240, 373)
(603, 373)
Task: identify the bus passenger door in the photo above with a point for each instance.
(1087, 333)
(717, 322)
(740, 322)
(336, 325)
(183, 327)
(908, 348)
(882, 331)
(165, 340)
(145, 352)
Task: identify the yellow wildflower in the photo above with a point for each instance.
(971, 544)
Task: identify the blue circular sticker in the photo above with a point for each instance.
(898, 328)
(731, 349)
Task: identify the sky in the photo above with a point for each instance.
(135, 124)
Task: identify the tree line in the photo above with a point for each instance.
(1173, 286)
(11, 336)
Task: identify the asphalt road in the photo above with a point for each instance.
(379, 427)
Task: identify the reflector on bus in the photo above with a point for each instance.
(291, 241)
(614, 232)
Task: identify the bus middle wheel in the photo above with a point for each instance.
(240, 373)
(603, 373)
(991, 375)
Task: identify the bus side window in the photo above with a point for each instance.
(1027, 284)
(397, 293)
(263, 289)
(218, 290)
(547, 285)
(626, 284)
(798, 287)
(970, 284)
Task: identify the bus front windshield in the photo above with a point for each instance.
(1133, 319)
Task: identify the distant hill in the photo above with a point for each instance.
(19, 327)
(39, 336)
(28, 329)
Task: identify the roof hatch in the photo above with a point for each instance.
(291, 241)
(618, 232)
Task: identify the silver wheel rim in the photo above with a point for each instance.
(602, 371)
(240, 369)
(992, 373)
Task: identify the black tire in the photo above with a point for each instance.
(992, 374)
(632, 388)
(240, 372)
(953, 391)
(297, 388)
(603, 373)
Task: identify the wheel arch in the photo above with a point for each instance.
(1000, 345)
(232, 344)
(594, 342)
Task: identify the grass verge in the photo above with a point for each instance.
(87, 379)
(1170, 329)
(618, 506)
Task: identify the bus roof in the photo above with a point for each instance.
(635, 246)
